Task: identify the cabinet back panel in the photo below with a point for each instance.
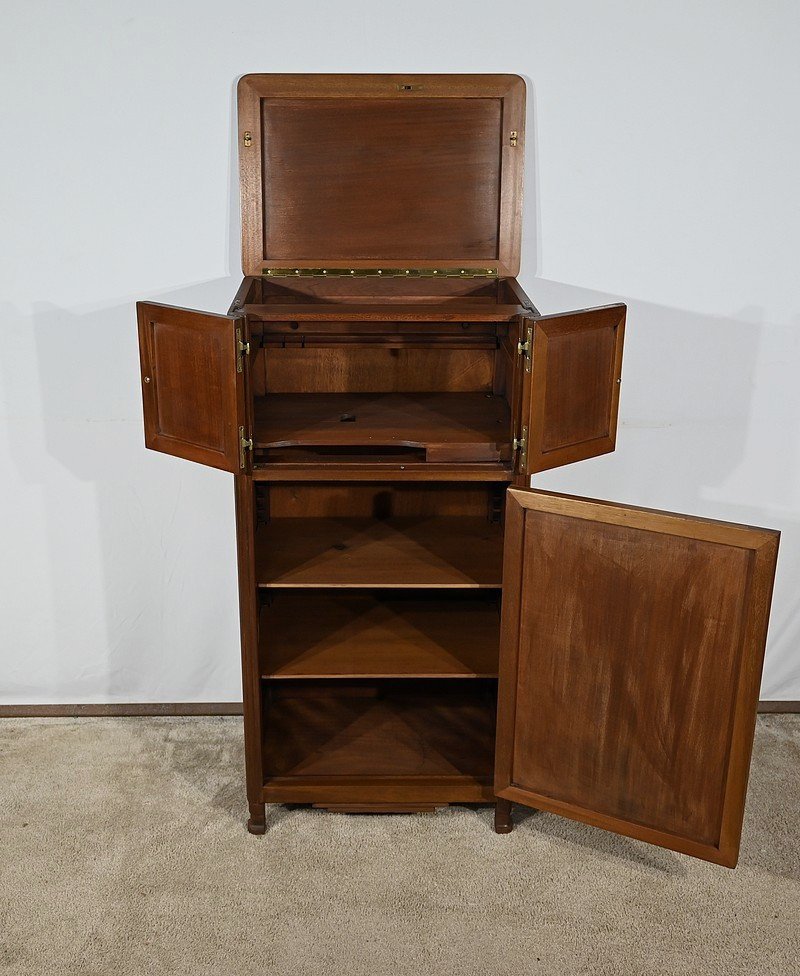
(356, 369)
(405, 633)
(409, 728)
(377, 500)
(355, 290)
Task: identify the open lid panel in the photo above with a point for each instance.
(399, 173)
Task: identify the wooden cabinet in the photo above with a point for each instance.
(419, 627)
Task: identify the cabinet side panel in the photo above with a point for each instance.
(248, 619)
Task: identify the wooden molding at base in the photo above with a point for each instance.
(772, 707)
(120, 709)
(143, 709)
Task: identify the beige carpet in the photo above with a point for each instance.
(123, 851)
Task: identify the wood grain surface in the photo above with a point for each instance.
(631, 652)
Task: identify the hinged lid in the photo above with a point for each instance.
(404, 172)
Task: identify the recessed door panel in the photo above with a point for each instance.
(631, 654)
(573, 366)
(192, 384)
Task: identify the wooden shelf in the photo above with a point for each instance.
(400, 730)
(445, 552)
(398, 634)
(447, 427)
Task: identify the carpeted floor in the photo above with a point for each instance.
(123, 851)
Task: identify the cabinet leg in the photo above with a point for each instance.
(257, 824)
(503, 823)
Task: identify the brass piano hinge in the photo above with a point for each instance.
(381, 272)
(525, 348)
(247, 139)
(242, 350)
(521, 444)
(245, 444)
(513, 137)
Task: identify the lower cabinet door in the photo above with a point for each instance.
(632, 644)
(193, 382)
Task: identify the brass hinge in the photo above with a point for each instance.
(242, 350)
(245, 444)
(521, 444)
(247, 139)
(525, 348)
(513, 137)
(380, 272)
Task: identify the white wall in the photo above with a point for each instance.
(662, 171)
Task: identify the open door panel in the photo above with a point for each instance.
(570, 394)
(193, 381)
(632, 644)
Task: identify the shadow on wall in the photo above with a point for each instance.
(141, 591)
(709, 412)
(135, 596)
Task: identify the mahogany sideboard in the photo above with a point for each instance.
(418, 626)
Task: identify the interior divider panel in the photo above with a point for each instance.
(445, 552)
(336, 633)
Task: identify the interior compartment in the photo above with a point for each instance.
(369, 287)
(328, 730)
(472, 427)
(380, 633)
(385, 286)
(440, 393)
(367, 536)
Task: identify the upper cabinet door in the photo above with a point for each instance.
(193, 382)
(631, 651)
(573, 366)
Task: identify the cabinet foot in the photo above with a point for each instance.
(257, 824)
(503, 823)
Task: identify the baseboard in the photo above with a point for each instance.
(779, 706)
(119, 710)
(122, 710)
